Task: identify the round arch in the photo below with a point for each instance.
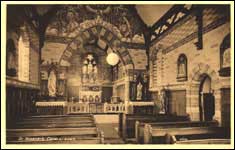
(91, 29)
(196, 77)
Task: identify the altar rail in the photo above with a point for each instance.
(78, 108)
(114, 108)
(94, 108)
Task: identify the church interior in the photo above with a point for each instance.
(118, 74)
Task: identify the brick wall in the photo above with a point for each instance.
(206, 60)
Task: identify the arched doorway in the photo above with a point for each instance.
(206, 99)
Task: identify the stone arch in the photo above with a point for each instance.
(201, 69)
(195, 78)
(98, 28)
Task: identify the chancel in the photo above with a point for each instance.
(118, 74)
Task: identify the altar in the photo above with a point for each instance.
(141, 108)
(90, 94)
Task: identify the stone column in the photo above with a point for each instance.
(127, 94)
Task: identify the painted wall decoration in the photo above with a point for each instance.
(69, 17)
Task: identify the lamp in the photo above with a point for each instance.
(112, 59)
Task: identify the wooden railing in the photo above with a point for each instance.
(20, 97)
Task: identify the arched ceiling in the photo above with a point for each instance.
(132, 20)
(124, 17)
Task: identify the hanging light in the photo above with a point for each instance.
(112, 59)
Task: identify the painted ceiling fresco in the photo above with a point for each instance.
(124, 17)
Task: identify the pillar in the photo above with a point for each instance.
(192, 103)
(217, 116)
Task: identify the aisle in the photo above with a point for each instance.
(109, 125)
(110, 133)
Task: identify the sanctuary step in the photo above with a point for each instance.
(73, 129)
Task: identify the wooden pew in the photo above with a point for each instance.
(54, 121)
(204, 141)
(130, 121)
(54, 135)
(60, 116)
(29, 125)
(67, 129)
(139, 126)
(167, 135)
(84, 140)
(51, 124)
(57, 119)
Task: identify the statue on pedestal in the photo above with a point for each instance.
(52, 84)
(163, 97)
(139, 91)
(134, 88)
(95, 74)
(145, 86)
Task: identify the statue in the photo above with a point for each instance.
(164, 99)
(226, 58)
(145, 87)
(72, 23)
(139, 91)
(133, 88)
(91, 99)
(162, 102)
(95, 73)
(84, 98)
(97, 99)
(89, 72)
(52, 84)
(182, 67)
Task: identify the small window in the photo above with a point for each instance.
(182, 68)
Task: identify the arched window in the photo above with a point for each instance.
(182, 68)
(11, 63)
(225, 60)
(23, 61)
(89, 69)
